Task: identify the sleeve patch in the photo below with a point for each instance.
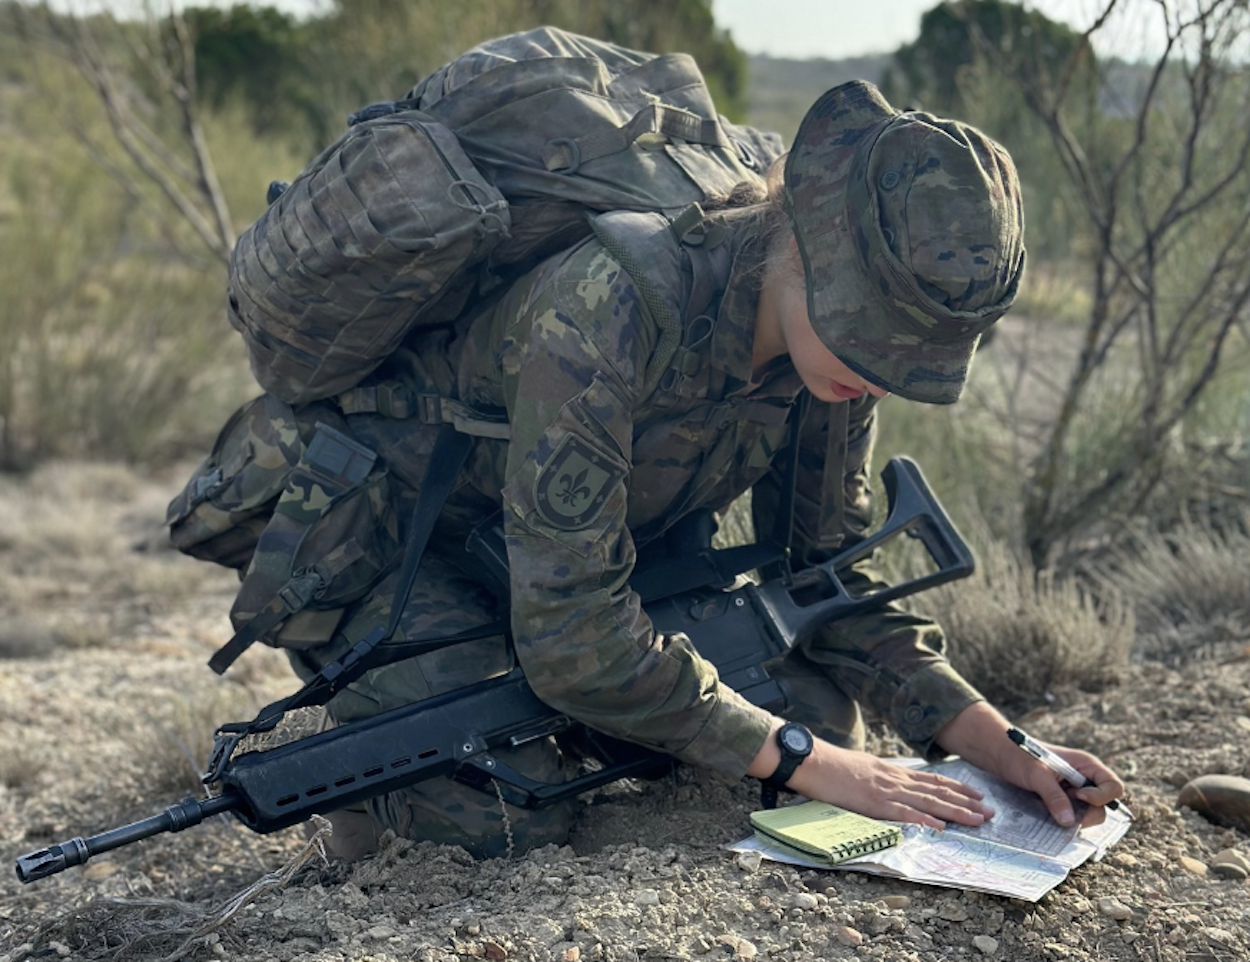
(573, 486)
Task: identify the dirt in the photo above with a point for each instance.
(107, 706)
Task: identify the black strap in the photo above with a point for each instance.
(783, 521)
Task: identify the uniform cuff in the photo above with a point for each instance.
(733, 735)
(929, 698)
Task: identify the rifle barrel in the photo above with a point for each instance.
(57, 858)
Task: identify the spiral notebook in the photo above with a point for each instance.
(824, 831)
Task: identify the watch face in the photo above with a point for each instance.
(796, 740)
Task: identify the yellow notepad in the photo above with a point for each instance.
(825, 831)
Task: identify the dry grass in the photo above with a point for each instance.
(173, 738)
(1190, 588)
(1020, 636)
(19, 766)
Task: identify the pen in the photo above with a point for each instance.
(1060, 767)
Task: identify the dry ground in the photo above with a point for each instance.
(107, 705)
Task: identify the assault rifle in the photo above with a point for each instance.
(740, 630)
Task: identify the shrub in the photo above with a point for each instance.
(1020, 636)
(1190, 588)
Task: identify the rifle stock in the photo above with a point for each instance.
(740, 631)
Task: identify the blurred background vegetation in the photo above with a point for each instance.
(1109, 411)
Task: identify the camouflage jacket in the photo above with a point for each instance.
(602, 459)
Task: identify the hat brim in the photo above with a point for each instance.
(884, 331)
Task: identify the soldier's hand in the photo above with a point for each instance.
(866, 784)
(979, 735)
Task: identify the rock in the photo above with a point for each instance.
(60, 948)
(803, 900)
(848, 936)
(985, 944)
(1230, 856)
(742, 948)
(647, 897)
(749, 861)
(380, 932)
(99, 870)
(953, 910)
(897, 901)
(572, 954)
(494, 951)
(1113, 908)
(1192, 865)
(1222, 799)
(880, 924)
(1229, 870)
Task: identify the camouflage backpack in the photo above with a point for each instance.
(487, 166)
(393, 228)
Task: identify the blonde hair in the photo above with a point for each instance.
(773, 230)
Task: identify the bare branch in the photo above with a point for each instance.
(191, 190)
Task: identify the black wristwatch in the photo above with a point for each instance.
(796, 743)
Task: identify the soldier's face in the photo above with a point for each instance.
(824, 375)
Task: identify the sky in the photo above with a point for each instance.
(831, 29)
(847, 28)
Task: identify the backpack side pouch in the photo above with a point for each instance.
(334, 534)
(220, 513)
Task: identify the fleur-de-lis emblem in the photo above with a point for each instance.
(573, 489)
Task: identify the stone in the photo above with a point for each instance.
(749, 861)
(99, 870)
(848, 936)
(1113, 908)
(804, 900)
(742, 948)
(1229, 870)
(380, 932)
(1230, 856)
(1222, 799)
(1192, 865)
(985, 944)
(572, 954)
(953, 910)
(647, 897)
(897, 901)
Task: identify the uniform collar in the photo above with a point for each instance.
(733, 334)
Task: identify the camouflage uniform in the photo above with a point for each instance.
(909, 230)
(565, 352)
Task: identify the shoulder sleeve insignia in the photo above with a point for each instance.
(572, 487)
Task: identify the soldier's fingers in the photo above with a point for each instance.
(951, 784)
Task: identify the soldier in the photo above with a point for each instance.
(890, 242)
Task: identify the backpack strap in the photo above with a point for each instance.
(661, 312)
(394, 399)
(565, 155)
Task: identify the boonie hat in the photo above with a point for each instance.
(911, 232)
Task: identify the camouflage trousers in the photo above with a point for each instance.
(444, 600)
